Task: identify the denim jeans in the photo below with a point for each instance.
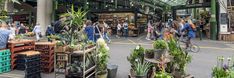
(105, 36)
(126, 33)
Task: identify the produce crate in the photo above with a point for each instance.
(23, 66)
(5, 58)
(5, 52)
(5, 63)
(45, 46)
(47, 64)
(47, 53)
(47, 58)
(16, 46)
(5, 69)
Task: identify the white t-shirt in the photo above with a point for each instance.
(119, 27)
(37, 29)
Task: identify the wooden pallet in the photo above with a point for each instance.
(18, 47)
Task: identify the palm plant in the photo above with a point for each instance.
(74, 25)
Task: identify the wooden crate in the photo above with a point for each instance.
(18, 47)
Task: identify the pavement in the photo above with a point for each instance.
(201, 65)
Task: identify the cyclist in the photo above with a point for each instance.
(188, 27)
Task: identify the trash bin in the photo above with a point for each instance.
(112, 70)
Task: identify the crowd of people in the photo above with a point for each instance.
(181, 29)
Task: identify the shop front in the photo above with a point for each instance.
(136, 21)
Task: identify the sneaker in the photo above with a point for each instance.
(109, 42)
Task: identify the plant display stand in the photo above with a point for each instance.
(61, 60)
(85, 57)
(29, 61)
(19, 46)
(47, 55)
(5, 61)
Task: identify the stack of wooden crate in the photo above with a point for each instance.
(29, 61)
(47, 55)
(18, 47)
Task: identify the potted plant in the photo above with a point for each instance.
(136, 55)
(141, 69)
(73, 25)
(103, 56)
(149, 53)
(60, 46)
(160, 47)
(180, 59)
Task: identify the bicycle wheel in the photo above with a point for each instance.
(194, 48)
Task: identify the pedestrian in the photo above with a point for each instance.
(22, 29)
(104, 31)
(96, 31)
(149, 31)
(37, 31)
(119, 27)
(4, 35)
(89, 30)
(50, 30)
(125, 28)
(13, 31)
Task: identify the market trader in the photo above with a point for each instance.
(4, 35)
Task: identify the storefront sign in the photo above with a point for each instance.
(20, 17)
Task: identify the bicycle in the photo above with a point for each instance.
(192, 46)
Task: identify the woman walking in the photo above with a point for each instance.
(149, 30)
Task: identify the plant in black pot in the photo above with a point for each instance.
(74, 70)
(149, 53)
(103, 56)
(160, 47)
(141, 69)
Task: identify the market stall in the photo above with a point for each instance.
(136, 21)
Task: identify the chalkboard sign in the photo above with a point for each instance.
(223, 18)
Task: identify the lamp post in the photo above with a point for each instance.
(213, 22)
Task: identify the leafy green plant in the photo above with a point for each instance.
(160, 44)
(19, 36)
(137, 54)
(103, 56)
(180, 57)
(149, 51)
(74, 25)
(141, 68)
(60, 43)
(162, 74)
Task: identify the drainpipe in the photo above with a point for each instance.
(213, 22)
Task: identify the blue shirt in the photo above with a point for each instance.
(4, 36)
(191, 32)
(89, 30)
